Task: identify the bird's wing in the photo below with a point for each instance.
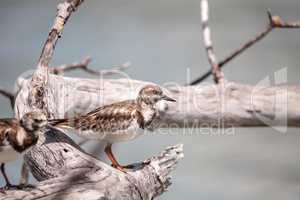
(109, 118)
(6, 126)
(118, 105)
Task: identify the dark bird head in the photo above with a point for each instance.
(151, 94)
(34, 121)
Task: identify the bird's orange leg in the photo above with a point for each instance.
(110, 155)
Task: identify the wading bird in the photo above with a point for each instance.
(17, 137)
(121, 121)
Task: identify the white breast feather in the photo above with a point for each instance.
(130, 133)
(21, 135)
(8, 154)
(148, 114)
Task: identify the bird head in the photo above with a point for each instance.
(151, 94)
(34, 121)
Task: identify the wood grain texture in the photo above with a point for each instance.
(210, 105)
(68, 173)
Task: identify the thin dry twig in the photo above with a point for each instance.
(218, 76)
(8, 95)
(70, 67)
(83, 65)
(275, 21)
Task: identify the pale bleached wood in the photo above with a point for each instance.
(76, 175)
(228, 105)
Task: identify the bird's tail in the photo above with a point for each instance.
(61, 123)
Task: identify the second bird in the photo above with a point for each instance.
(121, 121)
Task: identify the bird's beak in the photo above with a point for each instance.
(166, 98)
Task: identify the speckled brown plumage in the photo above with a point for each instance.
(109, 118)
(119, 121)
(9, 128)
(18, 136)
(6, 126)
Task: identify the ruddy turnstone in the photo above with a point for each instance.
(119, 121)
(17, 136)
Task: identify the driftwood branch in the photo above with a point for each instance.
(74, 174)
(203, 106)
(83, 65)
(215, 68)
(274, 22)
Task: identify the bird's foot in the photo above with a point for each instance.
(15, 187)
(131, 167)
(2, 190)
(11, 187)
(120, 168)
(128, 166)
(23, 186)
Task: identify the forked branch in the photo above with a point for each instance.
(215, 68)
(275, 22)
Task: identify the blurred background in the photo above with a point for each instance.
(162, 39)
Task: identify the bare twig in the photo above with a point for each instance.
(275, 21)
(66, 68)
(9, 95)
(218, 76)
(64, 11)
(83, 65)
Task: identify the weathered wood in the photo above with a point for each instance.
(76, 175)
(230, 105)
